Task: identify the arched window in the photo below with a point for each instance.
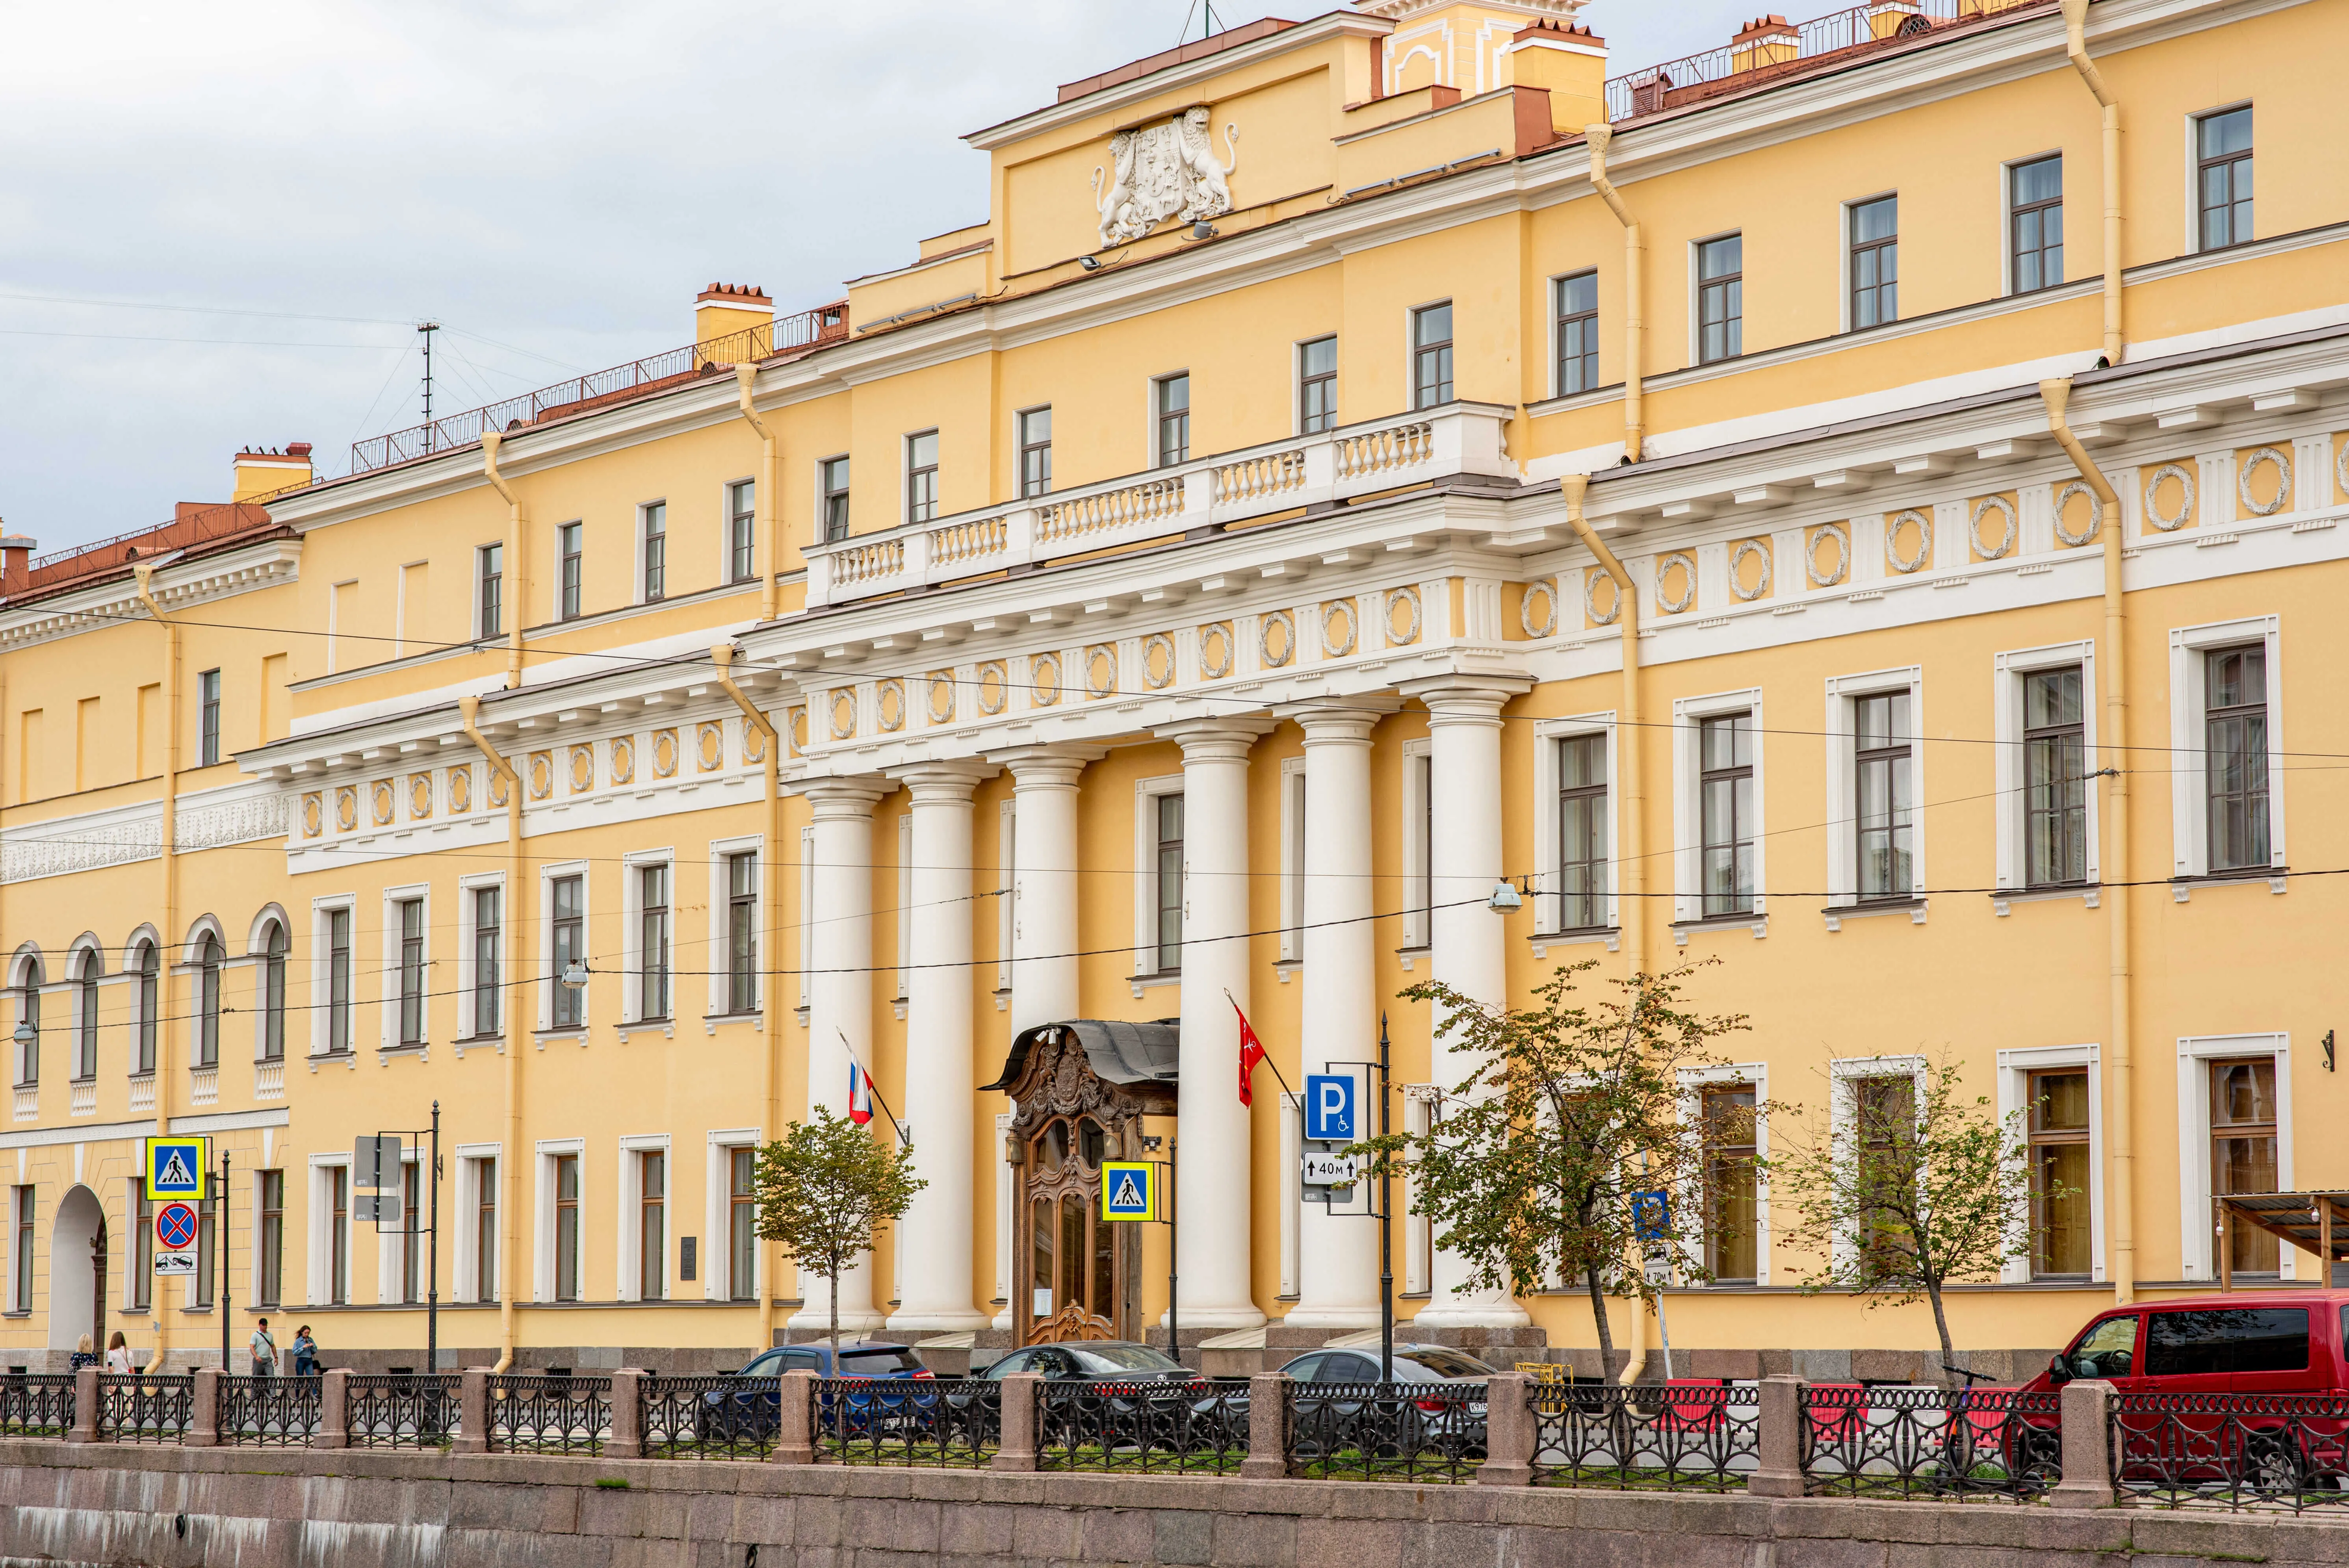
(85, 1021)
(151, 996)
(273, 993)
(208, 1001)
(28, 1011)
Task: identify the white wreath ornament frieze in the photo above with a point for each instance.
(1549, 622)
(2153, 513)
(2283, 461)
(1842, 538)
(1590, 582)
(1982, 508)
(1737, 554)
(2096, 511)
(1687, 563)
(1892, 556)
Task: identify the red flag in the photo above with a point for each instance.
(1251, 1053)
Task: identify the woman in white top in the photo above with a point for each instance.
(117, 1354)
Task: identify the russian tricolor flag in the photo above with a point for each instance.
(860, 1095)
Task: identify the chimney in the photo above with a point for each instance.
(1765, 41)
(16, 563)
(724, 309)
(1569, 63)
(1891, 18)
(265, 470)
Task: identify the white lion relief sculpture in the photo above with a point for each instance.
(1160, 172)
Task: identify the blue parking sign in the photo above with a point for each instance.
(1330, 1107)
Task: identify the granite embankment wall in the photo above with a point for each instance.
(246, 1508)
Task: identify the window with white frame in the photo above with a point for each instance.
(644, 1219)
(210, 960)
(476, 1223)
(807, 917)
(2222, 177)
(405, 964)
(1007, 1176)
(2050, 1095)
(139, 1287)
(399, 1252)
(1170, 398)
(1577, 313)
(741, 531)
(489, 590)
(905, 921)
(1292, 1197)
(2226, 739)
(87, 967)
(481, 955)
(1717, 772)
(1574, 829)
(271, 987)
(28, 1016)
(2234, 1136)
(1316, 385)
(1873, 1114)
(1420, 1116)
(648, 935)
(2044, 724)
(20, 1249)
(1731, 1200)
(1418, 836)
(331, 976)
(146, 962)
(1875, 770)
(922, 477)
(652, 530)
(2034, 224)
(1006, 885)
(732, 1221)
(330, 1231)
(1158, 889)
(566, 948)
(558, 1270)
(1431, 356)
(1035, 452)
(1292, 859)
(731, 938)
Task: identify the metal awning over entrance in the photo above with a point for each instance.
(2315, 1222)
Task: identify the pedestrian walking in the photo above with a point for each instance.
(305, 1353)
(264, 1351)
(117, 1353)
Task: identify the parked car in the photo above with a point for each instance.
(750, 1411)
(1334, 1413)
(1106, 1411)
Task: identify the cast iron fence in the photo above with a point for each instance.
(1677, 1438)
(937, 1421)
(2237, 1453)
(1999, 1445)
(140, 1408)
(1387, 1431)
(36, 1404)
(538, 1412)
(1155, 1427)
(267, 1412)
(727, 1416)
(403, 1409)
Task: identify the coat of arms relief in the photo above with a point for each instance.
(1160, 172)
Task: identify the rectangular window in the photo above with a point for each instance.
(490, 566)
(922, 477)
(2244, 1150)
(150, 1007)
(485, 1230)
(652, 1225)
(29, 1013)
(742, 1223)
(489, 943)
(568, 936)
(269, 1250)
(2055, 779)
(568, 547)
(86, 1025)
(1171, 396)
(1733, 1236)
(655, 532)
(741, 531)
(1885, 1133)
(20, 1263)
(1582, 832)
(2235, 743)
(338, 980)
(1036, 452)
(208, 1003)
(338, 1235)
(207, 1232)
(741, 933)
(1726, 781)
(1419, 824)
(2058, 1120)
(833, 475)
(1874, 262)
(1316, 385)
(142, 1249)
(2035, 223)
(566, 1227)
(1431, 356)
(1885, 791)
(1170, 883)
(411, 972)
(652, 936)
(2222, 145)
(411, 1235)
(208, 745)
(272, 998)
(1577, 333)
(1720, 299)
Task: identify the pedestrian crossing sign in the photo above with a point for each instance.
(175, 1169)
(1129, 1190)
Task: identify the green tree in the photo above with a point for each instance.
(1568, 1109)
(824, 1188)
(1901, 1185)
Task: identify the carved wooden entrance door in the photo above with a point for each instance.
(1072, 1289)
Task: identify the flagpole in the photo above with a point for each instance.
(872, 1088)
(1267, 1057)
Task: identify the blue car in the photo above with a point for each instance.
(750, 1406)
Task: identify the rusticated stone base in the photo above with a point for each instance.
(248, 1508)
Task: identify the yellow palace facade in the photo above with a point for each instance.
(1860, 504)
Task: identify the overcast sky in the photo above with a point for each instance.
(552, 181)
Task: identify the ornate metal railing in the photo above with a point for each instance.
(403, 1409)
(1387, 1431)
(1992, 1444)
(935, 1421)
(1676, 1437)
(2238, 1452)
(727, 1416)
(137, 1407)
(1160, 1427)
(267, 1412)
(536, 1412)
(36, 1404)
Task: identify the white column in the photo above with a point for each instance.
(934, 1294)
(1044, 895)
(840, 997)
(1210, 1191)
(1338, 1255)
(1464, 727)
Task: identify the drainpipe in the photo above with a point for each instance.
(166, 837)
(1632, 853)
(768, 543)
(2120, 1189)
(520, 597)
(510, 1157)
(1634, 259)
(2075, 45)
(770, 997)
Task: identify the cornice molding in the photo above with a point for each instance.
(178, 585)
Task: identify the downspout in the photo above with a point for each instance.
(166, 837)
(1632, 853)
(2075, 45)
(510, 1156)
(1634, 326)
(520, 597)
(2120, 1123)
(770, 993)
(769, 541)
